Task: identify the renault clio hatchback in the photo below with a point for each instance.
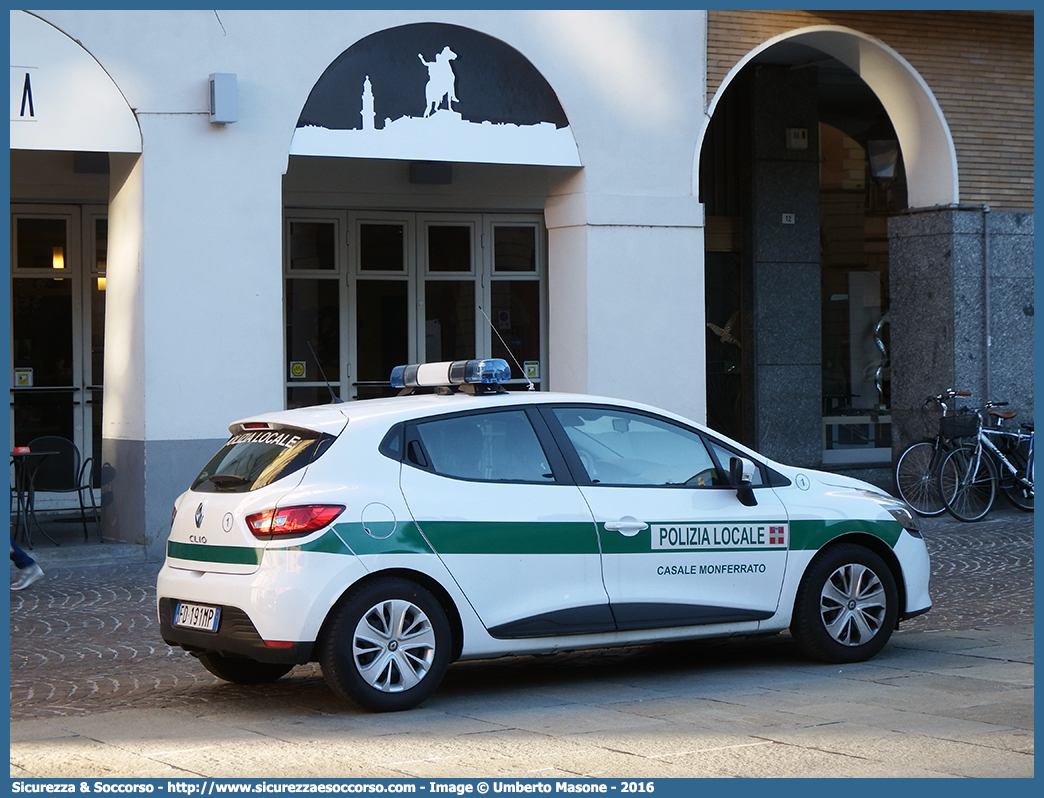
(386, 539)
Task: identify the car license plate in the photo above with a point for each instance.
(197, 616)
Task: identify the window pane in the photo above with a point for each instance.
(514, 249)
(41, 244)
(307, 396)
(256, 459)
(619, 448)
(383, 330)
(491, 446)
(313, 246)
(96, 436)
(449, 331)
(37, 413)
(97, 375)
(381, 248)
(449, 249)
(101, 244)
(516, 317)
(41, 312)
(312, 317)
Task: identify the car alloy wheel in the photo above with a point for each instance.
(387, 646)
(393, 646)
(852, 604)
(846, 606)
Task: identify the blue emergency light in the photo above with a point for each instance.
(490, 371)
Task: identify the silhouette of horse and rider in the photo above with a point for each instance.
(441, 81)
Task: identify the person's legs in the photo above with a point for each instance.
(19, 557)
(28, 570)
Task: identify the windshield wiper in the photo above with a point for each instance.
(228, 481)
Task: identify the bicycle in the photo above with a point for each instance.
(969, 474)
(917, 469)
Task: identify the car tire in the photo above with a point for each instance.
(846, 606)
(240, 670)
(386, 646)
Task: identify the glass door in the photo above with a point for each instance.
(382, 260)
(515, 306)
(314, 296)
(367, 291)
(447, 251)
(58, 256)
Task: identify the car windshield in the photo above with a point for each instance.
(256, 458)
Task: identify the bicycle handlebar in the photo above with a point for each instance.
(949, 393)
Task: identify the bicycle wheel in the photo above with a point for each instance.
(968, 483)
(1017, 493)
(917, 478)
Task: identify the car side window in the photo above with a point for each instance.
(617, 447)
(497, 447)
(725, 455)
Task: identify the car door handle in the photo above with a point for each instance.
(628, 526)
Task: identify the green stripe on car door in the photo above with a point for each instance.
(505, 537)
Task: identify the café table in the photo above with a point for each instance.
(26, 464)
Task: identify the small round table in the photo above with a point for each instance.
(26, 464)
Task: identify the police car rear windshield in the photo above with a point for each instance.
(255, 458)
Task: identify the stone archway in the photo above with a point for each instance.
(782, 319)
(61, 97)
(924, 136)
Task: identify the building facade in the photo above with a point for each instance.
(747, 218)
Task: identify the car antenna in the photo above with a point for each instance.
(507, 349)
(334, 398)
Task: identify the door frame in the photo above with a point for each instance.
(83, 269)
(347, 274)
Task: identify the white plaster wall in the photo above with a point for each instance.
(124, 410)
(631, 83)
(631, 322)
(213, 284)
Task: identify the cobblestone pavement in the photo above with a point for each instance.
(85, 639)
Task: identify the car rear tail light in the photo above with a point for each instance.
(292, 521)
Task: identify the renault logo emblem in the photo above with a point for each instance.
(199, 515)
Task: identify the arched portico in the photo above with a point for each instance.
(924, 136)
(71, 125)
(819, 255)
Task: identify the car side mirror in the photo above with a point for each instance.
(741, 477)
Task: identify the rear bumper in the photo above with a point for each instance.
(236, 636)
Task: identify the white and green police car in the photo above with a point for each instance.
(388, 538)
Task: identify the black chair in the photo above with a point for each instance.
(63, 472)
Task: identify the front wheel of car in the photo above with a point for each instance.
(846, 605)
(240, 670)
(387, 645)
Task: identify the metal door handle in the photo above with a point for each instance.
(629, 526)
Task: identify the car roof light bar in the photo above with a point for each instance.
(490, 371)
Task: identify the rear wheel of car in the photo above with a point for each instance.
(846, 605)
(387, 645)
(239, 670)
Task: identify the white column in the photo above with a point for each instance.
(626, 299)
